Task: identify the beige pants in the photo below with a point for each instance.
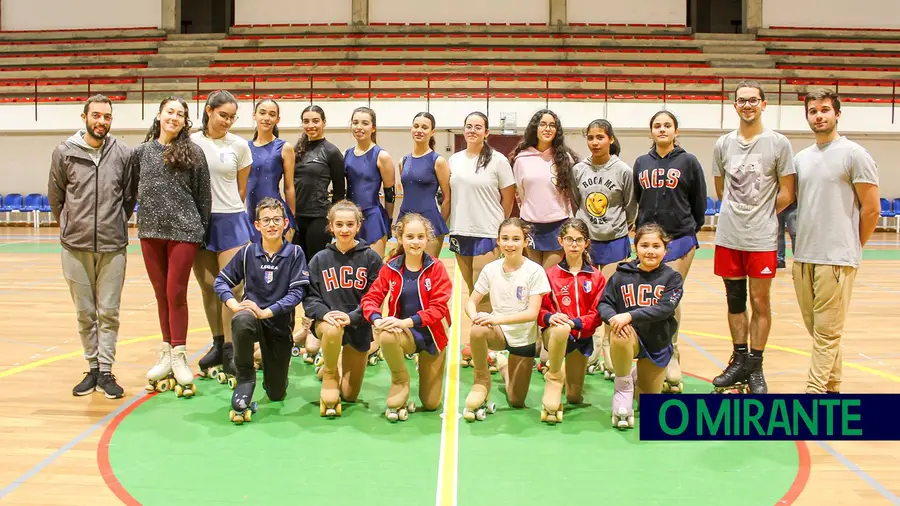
(823, 292)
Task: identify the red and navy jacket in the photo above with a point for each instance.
(435, 290)
(576, 295)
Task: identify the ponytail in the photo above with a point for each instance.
(303, 141)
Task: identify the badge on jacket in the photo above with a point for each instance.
(269, 276)
(587, 286)
(520, 292)
(427, 284)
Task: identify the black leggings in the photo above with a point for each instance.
(275, 344)
(312, 235)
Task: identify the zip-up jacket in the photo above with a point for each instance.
(321, 165)
(576, 295)
(650, 297)
(435, 290)
(671, 192)
(337, 282)
(92, 201)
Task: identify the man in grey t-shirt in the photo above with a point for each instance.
(754, 176)
(837, 210)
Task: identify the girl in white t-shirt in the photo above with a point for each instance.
(516, 286)
(482, 193)
(229, 159)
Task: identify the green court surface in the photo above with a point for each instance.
(288, 451)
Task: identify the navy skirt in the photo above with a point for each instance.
(228, 231)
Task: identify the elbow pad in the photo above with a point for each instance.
(389, 194)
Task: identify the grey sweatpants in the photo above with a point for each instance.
(95, 282)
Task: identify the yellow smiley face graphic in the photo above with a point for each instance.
(596, 204)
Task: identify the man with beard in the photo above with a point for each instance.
(838, 186)
(92, 193)
(754, 177)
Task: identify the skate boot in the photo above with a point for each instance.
(330, 396)
(159, 377)
(211, 363)
(465, 357)
(242, 405)
(477, 402)
(228, 372)
(755, 379)
(623, 401)
(492, 362)
(184, 378)
(398, 405)
(552, 410)
(673, 383)
(734, 377)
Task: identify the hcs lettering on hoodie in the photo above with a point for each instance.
(659, 178)
(644, 295)
(596, 191)
(345, 277)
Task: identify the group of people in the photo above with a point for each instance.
(266, 227)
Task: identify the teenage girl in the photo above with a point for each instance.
(516, 286)
(670, 188)
(542, 165)
(318, 165)
(408, 308)
(273, 161)
(607, 205)
(421, 173)
(175, 201)
(339, 276)
(639, 305)
(482, 194)
(229, 160)
(569, 318)
(369, 169)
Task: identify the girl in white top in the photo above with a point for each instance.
(229, 160)
(516, 286)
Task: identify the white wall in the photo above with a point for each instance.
(459, 11)
(635, 12)
(270, 12)
(73, 14)
(832, 13)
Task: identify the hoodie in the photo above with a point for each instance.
(650, 297)
(540, 199)
(338, 282)
(92, 193)
(605, 198)
(671, 192)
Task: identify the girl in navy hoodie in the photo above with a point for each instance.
(408, 307)
(639, 305)
(671, 190)
(339, 276)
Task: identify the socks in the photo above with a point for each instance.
(105, 368)
(756, 354)
(741, 348)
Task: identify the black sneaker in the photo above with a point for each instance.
(106, 383)
(88, 384)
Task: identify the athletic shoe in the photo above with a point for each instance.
(88, 383)
(106, 383)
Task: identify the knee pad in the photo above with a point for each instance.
(736, 295)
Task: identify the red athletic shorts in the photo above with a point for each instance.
(732, 263)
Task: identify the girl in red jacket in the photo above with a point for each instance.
(568, 319)
(408, 308)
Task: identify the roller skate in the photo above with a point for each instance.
(492, 362)
(313, 358)
(375, 357)
(755, 379)
(184, 378)
(673, 383)
(465, 356)
(542, 366)
(552, 408)
(609, 373)
(211, 363)
(242, 406)
(159, 377)
(227, 374)
(623, 401)
(398, 405)
(595, 365)
(297, 351)
(330, 396)
(299, 338)
(734, 377)
(477, 402)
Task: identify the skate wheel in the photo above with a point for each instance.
(179, 391)
(481, 415)
(162, 386)
(380, 354)
(411, 407)
(469, 415)
(248, 415)
(232, 383)
(308, 359)
(677, 389)
(559, 416)
(543, 415)
(403, 414)
(666, 387)
(392, 416)
(337, 409)
(609, 375)
(592, 370)
(322, 409)
(295, 351)
(190, 390)
(491, 408)
(221, 378)
(319, 360)
(235, 417)
(373, 360)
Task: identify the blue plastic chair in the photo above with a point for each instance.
(45, 204)
(886, 211)
(12, 202)
(33, 202)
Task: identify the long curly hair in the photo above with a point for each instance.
(180, 153)
(563, 157)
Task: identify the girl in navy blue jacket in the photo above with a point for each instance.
(639, 305)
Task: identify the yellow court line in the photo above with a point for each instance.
(447, 472)
(73, 354)
(851, 365)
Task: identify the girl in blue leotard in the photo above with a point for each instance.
(421, 172)
(273, 159)
(369, 168)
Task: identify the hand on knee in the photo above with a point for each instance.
(243, 321)
(330, 333)
(559, 334)
(386, 338)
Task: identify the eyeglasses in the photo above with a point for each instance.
(755, 101)
(571, 240)
(271, 221)
(231, 118)
(544, 126)
(474, 128)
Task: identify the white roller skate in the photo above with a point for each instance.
(478, 404)
(184, 378)
(399, 406)
(242, 405)
(159, 377)
(673, 383)
(623, 402)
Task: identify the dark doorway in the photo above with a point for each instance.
(716, 16)
(207, 16)
(503, 144)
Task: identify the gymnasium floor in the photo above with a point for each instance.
(156, 449)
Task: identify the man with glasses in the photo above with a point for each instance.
(275, 277)
(755, 180)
